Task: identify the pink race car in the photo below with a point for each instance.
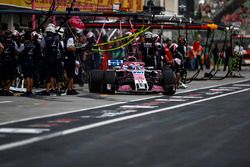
(132, 76)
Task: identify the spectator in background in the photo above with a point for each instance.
(199, 12)
(214, 6)
(207, 10)
(221, 3)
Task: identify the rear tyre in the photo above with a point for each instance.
(169, 82)
(108, 84)
(95, 81)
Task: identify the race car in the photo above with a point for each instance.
(132, 76)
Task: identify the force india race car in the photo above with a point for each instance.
(132, 76)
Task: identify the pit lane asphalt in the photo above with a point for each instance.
(18, 108)
(189, 135)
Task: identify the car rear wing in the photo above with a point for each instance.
(114, 63)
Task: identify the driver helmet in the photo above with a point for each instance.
(131, 66)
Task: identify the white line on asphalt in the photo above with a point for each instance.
(138, 106)
(228, 87)
(220, 89)
(246, 85)
(187, 97)
(62, 113)
(1, 102)
(23, 130)
(172, 100)
(107, 122)
(84, 109)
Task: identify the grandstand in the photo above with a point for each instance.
(240, 18)
(225, 12)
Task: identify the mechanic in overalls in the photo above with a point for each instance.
(50, 60)
(179, 59)
(8, 59)
(70, 61)
(27, 62)
(147, 50)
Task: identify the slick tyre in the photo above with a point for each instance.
(108, 84)
(95, 81)
(169, 82)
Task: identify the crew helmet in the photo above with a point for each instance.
(148, 35)
(90, 35)
(34, 33)
(51, 25)
(15, 33)
(60, 31)
(155, 37)
(50, 28)
(128, 33)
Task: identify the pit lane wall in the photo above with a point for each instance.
(83, 5)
